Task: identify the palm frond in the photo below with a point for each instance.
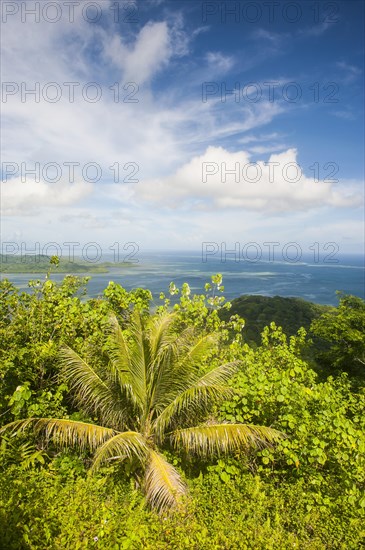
(219, 375)
(124, 346)
(139, 358)
(120, 360)
(178, 371)
(92, 393)
(193, 403)
(163, 484)
(206, 391)
(160, 335)
(163, 354)
(65, 432)
(197, 347)
(216, 439)
(125, 445)
(118, 351)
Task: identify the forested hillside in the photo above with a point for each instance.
(259, 311)
(40, 263)
(130, 424)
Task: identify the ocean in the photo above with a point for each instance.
(312, 280)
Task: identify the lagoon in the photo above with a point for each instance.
(307, 279)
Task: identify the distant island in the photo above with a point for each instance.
(41, 264)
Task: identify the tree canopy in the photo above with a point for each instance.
(108, 404)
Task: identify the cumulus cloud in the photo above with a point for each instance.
(224, 179)
(27, 198)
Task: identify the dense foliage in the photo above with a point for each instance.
(342, 329)
(305, 492)
(259, 311)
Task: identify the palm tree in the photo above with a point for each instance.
(149, 388)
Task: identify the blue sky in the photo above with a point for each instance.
(294, 124)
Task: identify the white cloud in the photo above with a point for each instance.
(165, 133)
(344, 115)
(349, 73)
(349, 68)
(156, 132)
(315, 30)
(261, 149)
(148, 55)
(221, 63)
(28, 198)
(278, 185)
(250, 138)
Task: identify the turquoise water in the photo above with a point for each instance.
(312, 281)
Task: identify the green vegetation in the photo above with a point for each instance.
(172, 377)
(149, 387)
(41, 264)
(342, 329)
(259, 311)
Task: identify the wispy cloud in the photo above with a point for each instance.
(161, 61)
(315, 30)
(345, 115)
(219, 62)
(349, 73)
